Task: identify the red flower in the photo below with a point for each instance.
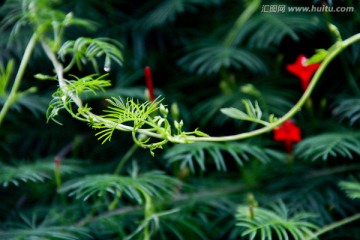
(302, 70)
(289, 133)
(149, 83)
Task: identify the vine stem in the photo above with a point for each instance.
(59, 69)
(20, 73)
(177, 199)
(242, 19)
(148, 210)
(125, 158)
(338, 47)
(334, 225)
(334, 50)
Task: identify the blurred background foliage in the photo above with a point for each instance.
(205, 55)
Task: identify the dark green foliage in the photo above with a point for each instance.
(277, 224)
(348, 109)
(47, 233)
(211, 59)
(154, 184)
(166, 11)
(200, 153)
(269, 29)
(352, 188)
(329, 145)
(39, 171)
(223, 63)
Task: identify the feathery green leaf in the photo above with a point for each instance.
(329, 145)
(264, 223)
(199, 153)
(34, 172)
(352, 188)
(154, 184)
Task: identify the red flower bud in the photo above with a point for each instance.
(302, 70)
(149, 83)
(289, 133)
(57, 161)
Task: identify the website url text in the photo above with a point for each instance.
(283, 8)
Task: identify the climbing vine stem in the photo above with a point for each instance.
(20, 73)
(333, 51)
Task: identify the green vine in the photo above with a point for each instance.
(13, 95)
(159, 127)
(148, 122)
(131, 115)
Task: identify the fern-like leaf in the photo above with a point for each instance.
(265, 224)
(154, 184)
(348, 109)
(167, 11)
(210, 59)
(63, 100)
(352, 188)
(329, 144)
(34, 172)
(34, 103)
(124, 112)
(5, 74)
(88, 49)
(47, 233)
(39, 15)
(131, 110)
(198, 153)
(88, 84)
(269, 29)
(57, 104)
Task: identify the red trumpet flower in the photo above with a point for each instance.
(302, 70)
(149, 83)
(289, 133)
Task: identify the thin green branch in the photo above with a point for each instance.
(59, 69)
(202, 195)
(334, 225)
(125, 158)
(335, 50)
(206, 195)
(338, 47)
(87, 115)
(14, 90)
(332, 171)
(148, 210)
(242, 19)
